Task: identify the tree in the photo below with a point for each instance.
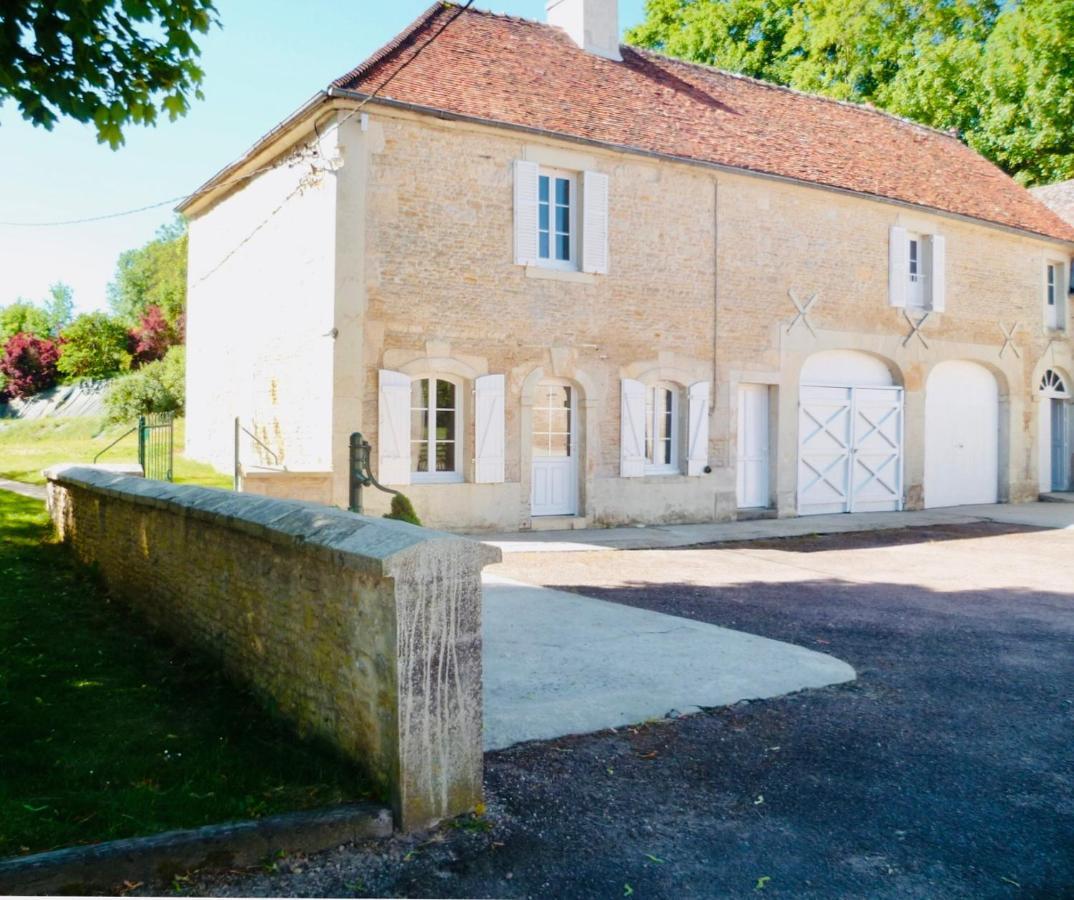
(151, 338)
(110, 62)
(24, 317)
(59, 307)
(152, 275)
(1000, 73)
(157, 387)
(94, 346)
(28, 364)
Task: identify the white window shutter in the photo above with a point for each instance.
(938, 257)
(595, 223)
(898, 266)
(632, 430)
(393, 433)
(526, 192)
(697, 437)
(489, 429)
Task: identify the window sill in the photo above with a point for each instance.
(560, 274)
(661, 472)
(439, 478)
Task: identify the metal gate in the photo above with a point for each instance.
(156, 445)
(849, 449)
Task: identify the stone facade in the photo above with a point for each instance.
(702, 261)
(365, 632)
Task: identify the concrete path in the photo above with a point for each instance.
(655, 537)
(36, 491)
(558, 663)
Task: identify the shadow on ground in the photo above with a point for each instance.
(945, 770)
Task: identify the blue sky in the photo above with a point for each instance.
(269, 57)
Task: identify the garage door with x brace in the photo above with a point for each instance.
(849, 449)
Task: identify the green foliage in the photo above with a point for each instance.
(23, 317)
(403, 510)
(152, 275)
(1000, 73)
(59, 307)
(110, 62)
(94, 346)
(156, 387)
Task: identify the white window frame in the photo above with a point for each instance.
(1055, 312)
(918, 271)
(550, 262)
(651, 414)
(434, 477)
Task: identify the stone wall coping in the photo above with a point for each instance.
(377, 546)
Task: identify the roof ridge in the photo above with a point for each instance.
(396, 43)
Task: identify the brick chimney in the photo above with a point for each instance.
(592, 24)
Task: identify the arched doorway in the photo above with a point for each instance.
(961, 435)
(850, 434)
(554, 445)
(1053, 434)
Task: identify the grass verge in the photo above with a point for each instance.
(27, 447)
(107, 731)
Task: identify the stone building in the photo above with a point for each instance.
(556, 281)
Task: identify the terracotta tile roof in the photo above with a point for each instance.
(523, 73)
(1058, 197)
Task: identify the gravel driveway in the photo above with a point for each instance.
(945, 770)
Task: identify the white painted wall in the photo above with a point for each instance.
(259, 316)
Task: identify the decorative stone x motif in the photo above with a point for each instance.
(915, 328)
(1008, 339)
(803, 311)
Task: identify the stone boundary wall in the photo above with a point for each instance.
(366, 632)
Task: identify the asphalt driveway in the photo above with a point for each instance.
(945, 770)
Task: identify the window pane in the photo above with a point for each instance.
(445, 456)
(563, 247)
(542, 186)
(563, 191)
(445, 395)
(419, 450)
(445, 425)
(419, 425)
(546, 247)
(666, 458)
(542, 216)
(563, 219)
(560, 420)
(559, 445)
(541, 420)
(419, 393)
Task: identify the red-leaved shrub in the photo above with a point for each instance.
(29, 364)
(150, 339)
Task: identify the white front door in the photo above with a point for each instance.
(961, 435)
(849, 449)
(753, 446)
(555, 451)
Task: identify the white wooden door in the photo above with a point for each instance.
(961, 435)
(554, 490)
(849, 449)
(753, 488)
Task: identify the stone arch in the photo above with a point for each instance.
(851, 368)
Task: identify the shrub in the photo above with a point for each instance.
(150, 339)
(155, 387)
(403, 510)
(22, 316)
(94, 346)
(28, 364)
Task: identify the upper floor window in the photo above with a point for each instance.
(1054, 296)
(561, 218)
(435, 420)
(661, 429)
(916, 270)
(556, 216)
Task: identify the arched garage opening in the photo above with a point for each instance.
(961, 435)
(850, 434)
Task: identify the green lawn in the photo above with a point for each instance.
(28, 447)
(107, 731)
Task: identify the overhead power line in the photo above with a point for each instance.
(171, 201)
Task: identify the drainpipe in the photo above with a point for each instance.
(715, 289)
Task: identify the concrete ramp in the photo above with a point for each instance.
(557, 663)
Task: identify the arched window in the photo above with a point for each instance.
(662, 428)
(1052, 383)
(435, 429)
